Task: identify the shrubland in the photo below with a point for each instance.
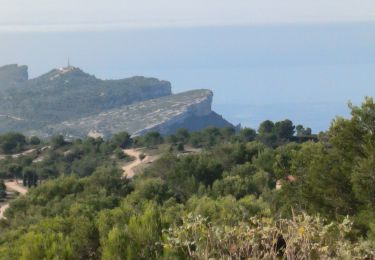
(278, 192)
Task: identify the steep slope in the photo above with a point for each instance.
(68, 94)
(165, 114)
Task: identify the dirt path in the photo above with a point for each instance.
(2, 209)
(129, 168)
(14, 186)
(2, 156)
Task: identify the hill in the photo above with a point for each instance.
(70, 101)
(69, 93)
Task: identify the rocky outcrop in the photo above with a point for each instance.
(161, 114)
(200, 105)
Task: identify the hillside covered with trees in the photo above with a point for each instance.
(278, 192)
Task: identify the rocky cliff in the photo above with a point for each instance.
(74, 103)
(165, 114)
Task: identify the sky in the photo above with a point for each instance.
(268, 59)
(83, 15)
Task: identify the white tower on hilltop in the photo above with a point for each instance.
(67, 68)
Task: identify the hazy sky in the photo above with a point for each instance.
(83, 15)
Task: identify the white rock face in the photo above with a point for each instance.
(200, 106)
(155, 114)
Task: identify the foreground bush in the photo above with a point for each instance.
(303, 237)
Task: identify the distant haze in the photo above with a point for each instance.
(84, 15)
(268, 59)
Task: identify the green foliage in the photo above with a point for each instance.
(182, 135)
(38, 245)
(116, 244)
(57, 141)
(142, 156)
(284, 129)
(266, 127)
(30, 178)
(302, 237)
(247, 135)
(301, 131)
(12, 143)
(151, 189)
(121, 140)
(120, 154)
(145, 234)
(2, 190)
(150, 139)
(15, 170)
(34, 140)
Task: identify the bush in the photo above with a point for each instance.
(121, 140)
(57, 141)
(34, 140)
(142, 156)
(303, 237)
(12, 143)
(120, 154)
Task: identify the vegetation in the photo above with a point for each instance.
(2, 190)
(12, 143)
(278, 193)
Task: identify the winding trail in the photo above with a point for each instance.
(129, 168)
(2, 210)
(14, 186)
(3, 156)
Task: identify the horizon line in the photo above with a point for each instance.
(103, 27)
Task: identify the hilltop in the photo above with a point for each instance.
(72, 102)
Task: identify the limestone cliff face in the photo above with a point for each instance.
(199, 107)
(197, 117)
(160, 114)
(203, 106)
